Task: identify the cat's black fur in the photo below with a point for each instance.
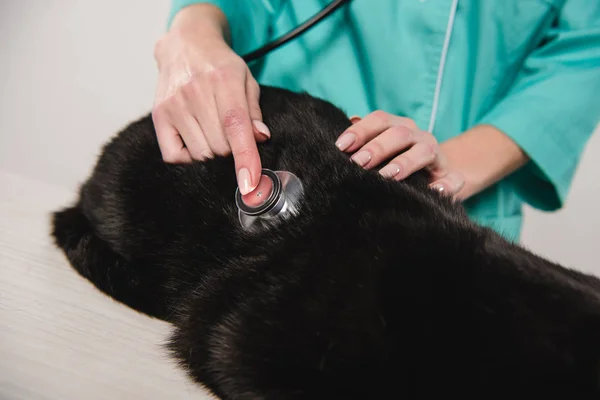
(377, 289)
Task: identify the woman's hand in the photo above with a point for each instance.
(207, 102)
(380, 136)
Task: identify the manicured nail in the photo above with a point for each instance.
(390, 170)
(345, 141)
(354, 119)
(438, 188)
(362, 158)
(261, 128)
(244, 181)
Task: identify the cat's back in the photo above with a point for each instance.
(133, 197)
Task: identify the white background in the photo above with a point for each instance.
(72, 73)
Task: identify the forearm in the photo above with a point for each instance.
(244, 24)
(484, 155)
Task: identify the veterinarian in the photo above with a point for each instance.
(497, 99)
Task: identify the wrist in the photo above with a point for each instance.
(201, 21)
(483, 155)
(195, 27)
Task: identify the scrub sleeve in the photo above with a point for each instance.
(553, 106)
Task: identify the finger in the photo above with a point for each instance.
(194, 139)
(418, 157)
(439, 168)
(354, 119)
(261, 131)
(189, 129)
(253, 96)
(171, 145)
(391, 142)
(450, 184)
(204, 108)
(232, 106)
(368, 128)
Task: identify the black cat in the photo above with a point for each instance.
(376, 289)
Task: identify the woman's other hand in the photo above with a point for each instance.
(381, 136)
(207, 102)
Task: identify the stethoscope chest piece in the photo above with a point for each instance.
(277, 196)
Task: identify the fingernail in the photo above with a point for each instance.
(345, 141)
(362, 158)
(390, 170)
(261, 128)
(354, 119)
(438, 188)
(244, 181)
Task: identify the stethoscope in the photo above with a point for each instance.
(294, 33)
(279, 192)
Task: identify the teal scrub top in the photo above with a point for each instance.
(531, 68)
